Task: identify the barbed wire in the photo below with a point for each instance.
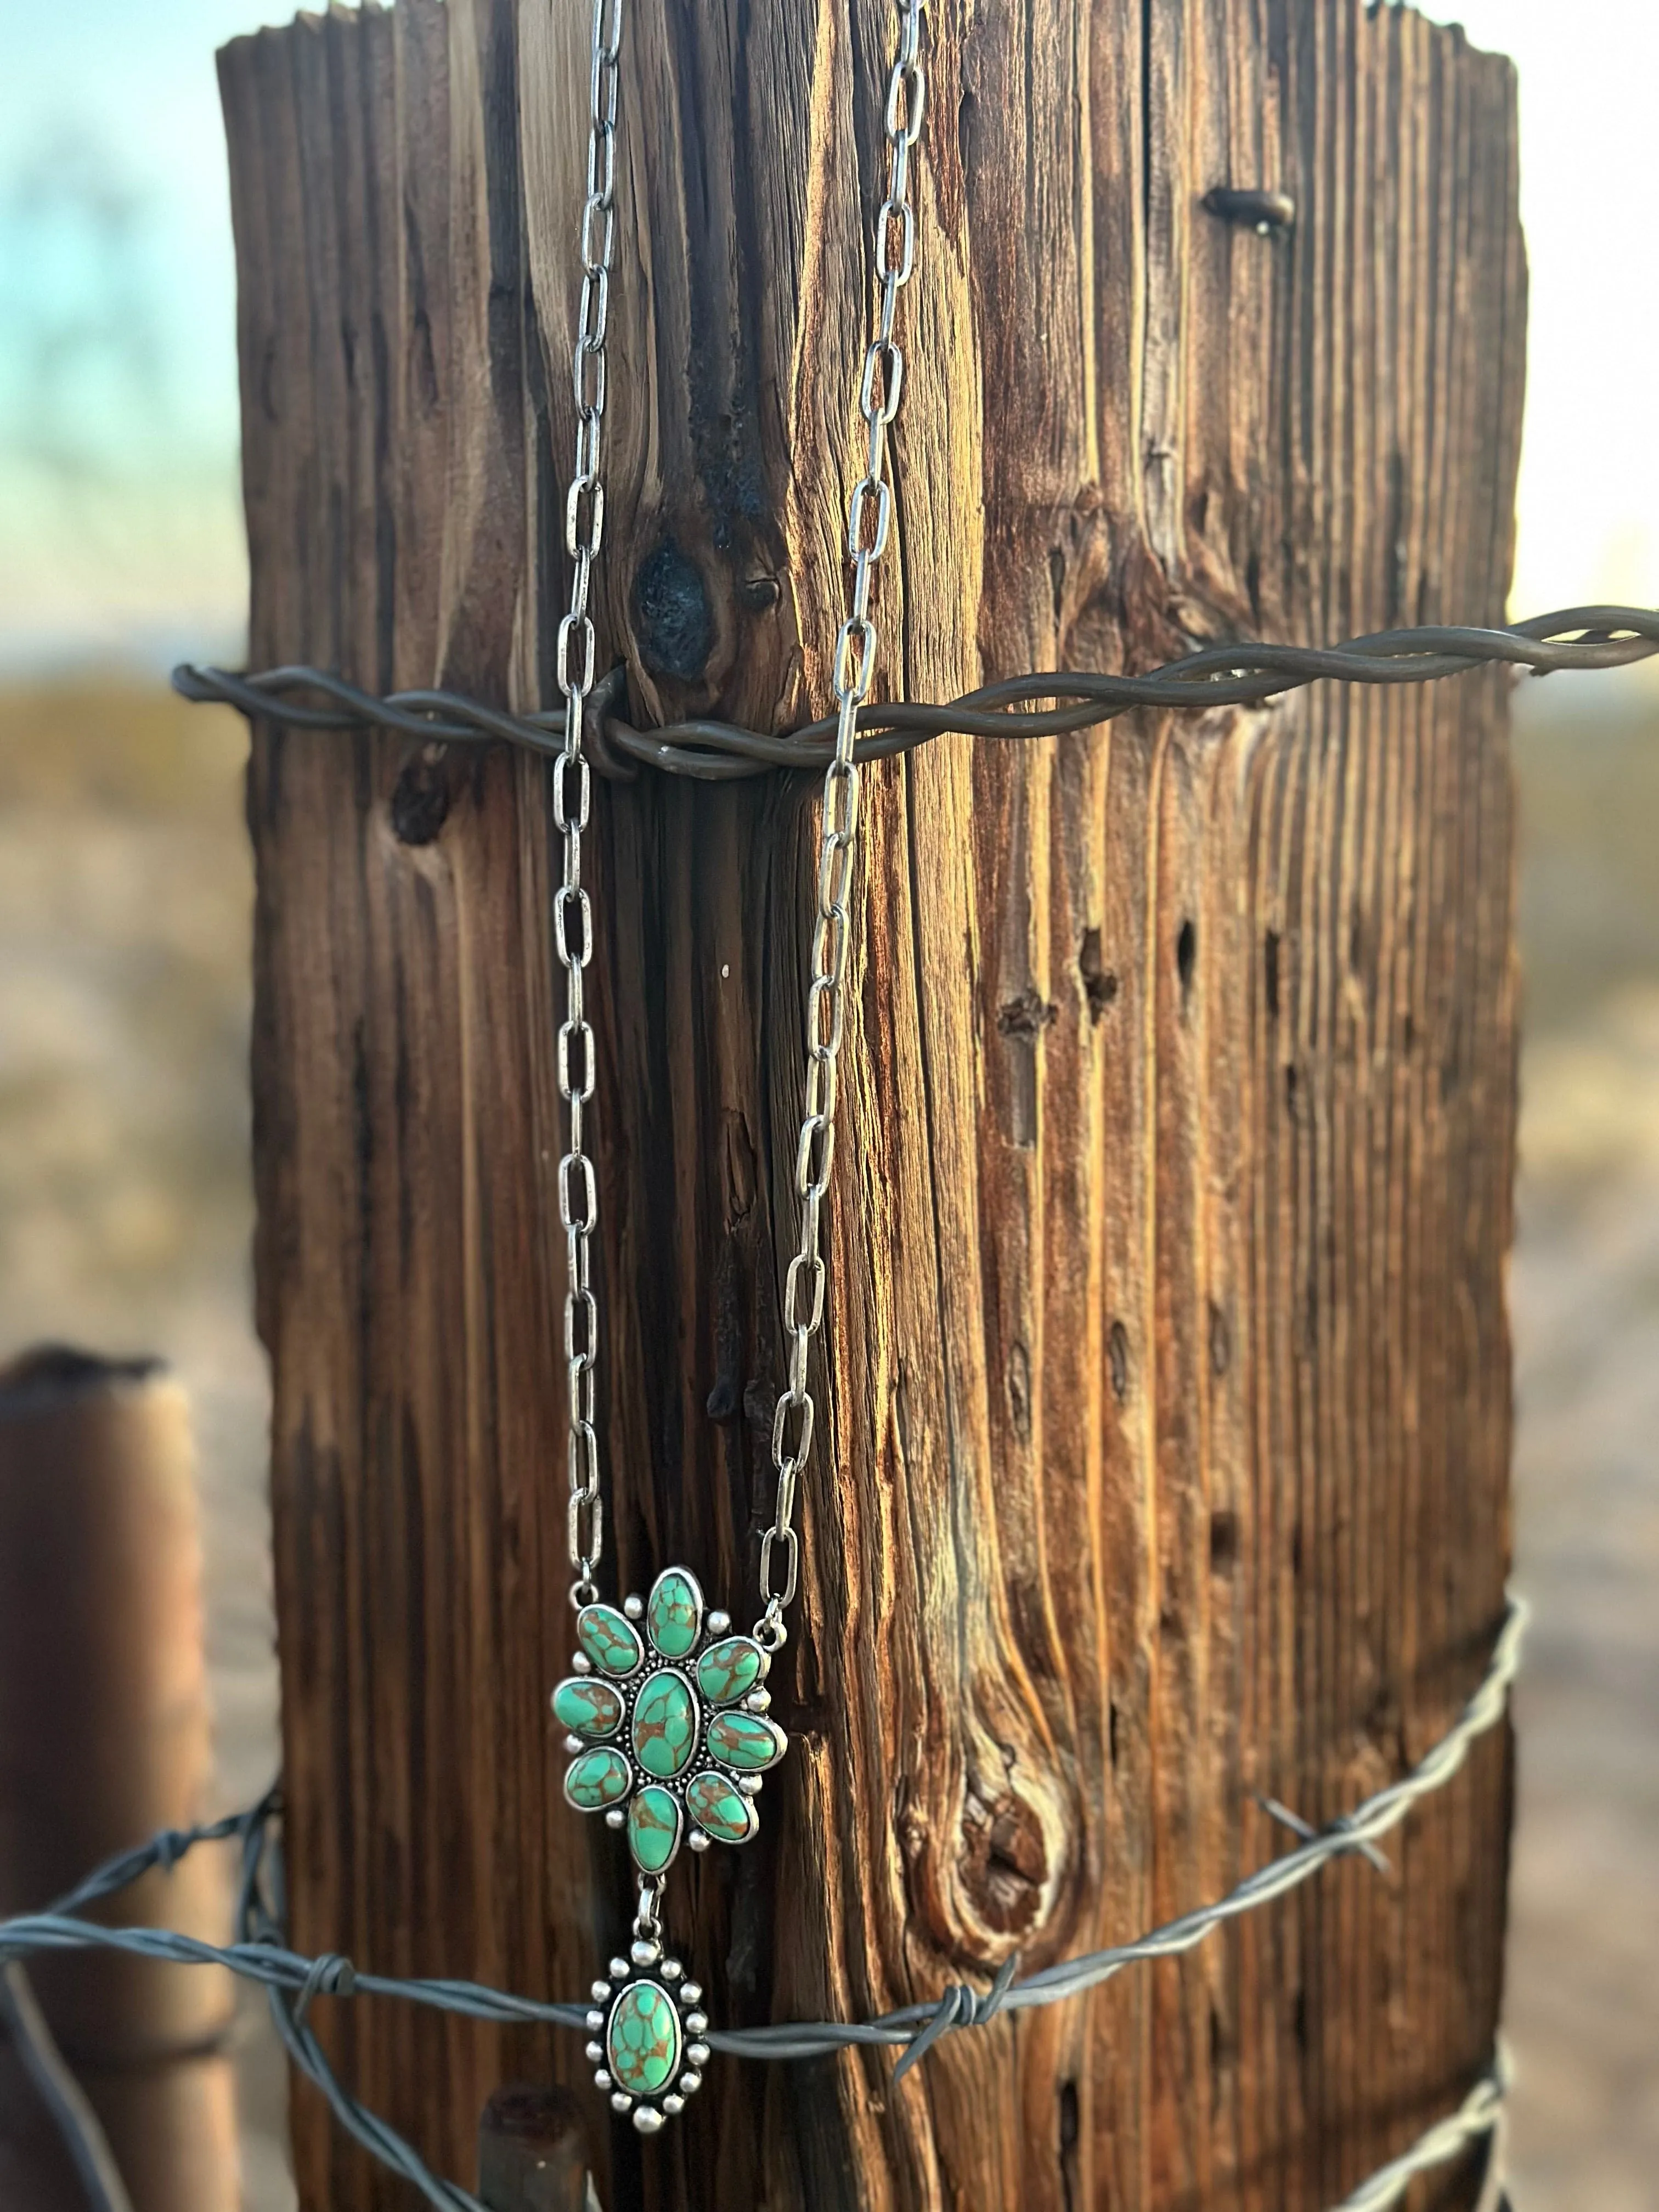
(1479, 2115)
(66, 2103)
(1225, 675)
(260, 1954)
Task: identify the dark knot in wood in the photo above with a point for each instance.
(1026, 1016)
(420, 798)
(1004, 1863)
(674, 621)
(1117, 1360)
(1099, 983)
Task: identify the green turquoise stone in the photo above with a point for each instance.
(596, 1779)
(587, 1706)
(746, 1742)
(730, 1669)
(609, 1638)
(665, 1725)
(643, 2039)
(720, 1810)
(674, 1615)
(653, 1828)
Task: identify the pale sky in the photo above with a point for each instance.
(120, 528)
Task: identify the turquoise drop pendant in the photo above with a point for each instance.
(646, 2030)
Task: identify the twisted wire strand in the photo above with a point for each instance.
(1225, 675)
(260, 1954)
(65, 2100)
(1477, 2117)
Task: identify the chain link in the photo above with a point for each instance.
(647, 1918)
(869, 526)
(573, 914)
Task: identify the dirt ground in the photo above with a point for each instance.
(124, 1221)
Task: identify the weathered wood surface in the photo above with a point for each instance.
(1168, 1355)
(105, 1738)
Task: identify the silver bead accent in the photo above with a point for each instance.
(718, 1622)
(595, 2022)
(673, 2103)
(595, 2052)
(758, 1701)
(581, 1663)
(602, 2080)
(601, 1991)
(671, 1970)
(749, 1784)
(697, 2054)
(620, 2101)
(695, 2022)
(634, 1607)
(647, 2118)
(645, 1952)
(619, 1969)
(690, 1994)
(572, 1743)
(689, 2082)
(697, 1840)
(615, 1818)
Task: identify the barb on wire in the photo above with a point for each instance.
(1071, 1977)
(1229, 674)
(1298, 1827)
(260, 1954)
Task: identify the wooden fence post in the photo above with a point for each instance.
(104, 1739)
(1167, 1354)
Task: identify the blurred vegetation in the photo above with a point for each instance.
(120, 744)
(1587, 766)
(125, 899)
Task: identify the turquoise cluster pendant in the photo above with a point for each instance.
(670, 1736)
(667, 1720)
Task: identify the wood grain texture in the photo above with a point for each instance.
(1169, 1369)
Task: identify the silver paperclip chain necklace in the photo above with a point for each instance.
(666, 1710)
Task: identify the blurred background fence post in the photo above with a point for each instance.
(105, 1738)
(533, 2153)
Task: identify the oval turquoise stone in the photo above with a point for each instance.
(746, 1742)
(596, 1779)
(609, 1638)
(665, 1725)
(728, 1670)
(643, 2039)
(653, 1828)
(674, 1615)
(587, 1707)
(720, 1810)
